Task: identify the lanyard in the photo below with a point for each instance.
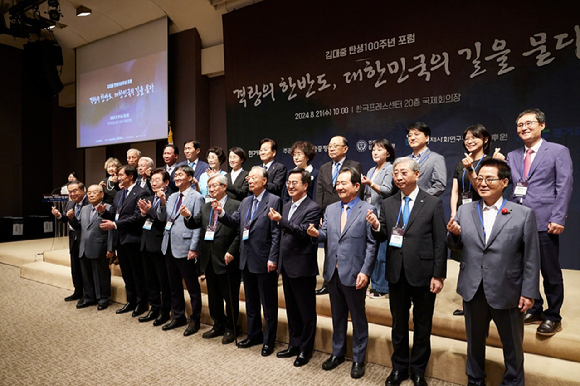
(401, 211)
(212, 218)
(481, 216)
(252, 209)
(463, 177)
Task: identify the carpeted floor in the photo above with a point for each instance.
(46, 341)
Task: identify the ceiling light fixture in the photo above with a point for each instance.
(83, 11)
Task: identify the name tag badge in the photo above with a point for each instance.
(397, 237)
(168, 225)
(117, 217)
(521, 189)
(466, 197)
(246, 234)
(209, 233)
(148, 224)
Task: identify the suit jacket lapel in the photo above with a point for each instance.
(417, 206)
(538, 159)
(477, 221)
(354, 213)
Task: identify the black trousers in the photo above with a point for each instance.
(178, 269)
(75, 267)
(510, 325)
(224, 288)
(552, 278)
(301, 310)
(157, 281)
(96, 279)
(401, 296)
(261, 288)
(132, 271)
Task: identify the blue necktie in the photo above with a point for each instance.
(406, 211)
(335, 174)
(292, 210)
(255, 204)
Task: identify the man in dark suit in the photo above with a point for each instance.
(276, 171)
(416, 265)
(156, 278)
(125, 217)
(219, 254)
(299, 266)
(259, 251)
(326, 185)
(144, 169)
(191, 151)
(133, 157)
(78, 199)
(181, 249)
(350, 260)
(94, 248)
(501, 237)
(542, 179)
(170, 156)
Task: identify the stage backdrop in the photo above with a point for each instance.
(312, 69)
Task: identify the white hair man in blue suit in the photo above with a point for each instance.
(350, 260)
(499, 273)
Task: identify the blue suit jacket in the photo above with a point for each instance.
(182, 239)
(550, 182)
(355, 249)
(263, 243)
(508, 265)
(129, 225)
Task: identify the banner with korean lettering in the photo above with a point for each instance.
(312, 69)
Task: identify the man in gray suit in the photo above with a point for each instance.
(350, 259)
(499, 274)
(181, 250)
(96, 245)
(433, 177)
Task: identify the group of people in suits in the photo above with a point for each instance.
(256, 225)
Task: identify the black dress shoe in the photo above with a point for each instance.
(213, 333)
(192, 328)
(161, 319)
(83, 303)
(128, 307)
(332, 362)
(302, 358)
(357, 370)
(139, 310)
(547, 328)
(458, 312)
(228, 338)
(396, 377)
(533, 318)
(322, 291)
(73, 297)
(151, 315)
(102, 306)
(246, 343)
(419, 380)
(182, 321)
(288, 352)
(267, 350)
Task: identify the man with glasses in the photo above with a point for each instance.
(298, 265)
(542, 179)
(433, 177)
(326, 184)
(219, 254)
(499, 276)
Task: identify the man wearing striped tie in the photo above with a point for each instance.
(414, 224)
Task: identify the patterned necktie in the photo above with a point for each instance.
(335, 174)
(343, 218)
(406, 211)
(527, 162)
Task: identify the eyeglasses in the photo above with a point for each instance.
(488, 180)
(417, 134)
(214, 186)
(292, 183)
(526, 123)
(333, 146)
(469, 139)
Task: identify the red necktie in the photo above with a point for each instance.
(527, 162)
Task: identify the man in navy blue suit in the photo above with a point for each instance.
(350, 260)
(259, 251)
(191, 151)
(299, 265)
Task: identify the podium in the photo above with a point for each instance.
(60, 228)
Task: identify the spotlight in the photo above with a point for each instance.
(83, 11)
